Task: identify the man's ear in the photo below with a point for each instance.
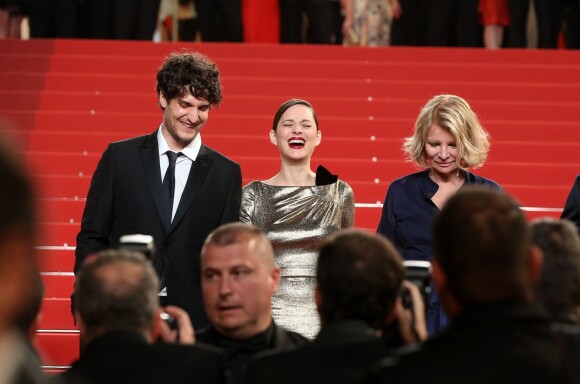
(536, 262)
(156, 325)
(275, 279)
(162, 101)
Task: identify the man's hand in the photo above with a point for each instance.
(184, 333)
(411, 321)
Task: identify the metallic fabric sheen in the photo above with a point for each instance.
(296, 219)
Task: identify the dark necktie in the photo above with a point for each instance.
(168, 194)
(169, 186)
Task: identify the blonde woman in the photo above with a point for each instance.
(448, 140)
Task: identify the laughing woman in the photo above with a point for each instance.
(296, 209)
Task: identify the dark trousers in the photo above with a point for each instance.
(319, 14)
(122, 19)
(220, 20)
(54, 18)
(550, 15)
(454, 23)
(411, 27)
(516, 33)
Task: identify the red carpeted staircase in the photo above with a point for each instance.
(66, 99)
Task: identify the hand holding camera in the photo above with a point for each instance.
(182, 331)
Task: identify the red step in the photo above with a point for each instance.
(56, 348)
(56, 260)
(56, 315)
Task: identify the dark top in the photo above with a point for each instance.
(510, 342)
(572, 206)
(407, 221)
(126, 357)
(341, 353)
(239, 352)
(408, 212)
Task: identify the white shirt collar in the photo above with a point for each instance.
(191, 151)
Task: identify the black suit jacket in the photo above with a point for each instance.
(239, 353)
(572, 206)
(341, 353)
(125, 197)
(125, 357)
(510, 342)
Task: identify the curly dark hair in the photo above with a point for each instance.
(189, 72)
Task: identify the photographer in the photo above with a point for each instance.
(119, 318)
(359, 277)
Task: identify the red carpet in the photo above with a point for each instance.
(67, 99)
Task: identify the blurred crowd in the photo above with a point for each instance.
(466, 23)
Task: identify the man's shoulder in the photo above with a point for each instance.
(221, 159)
(285, 338)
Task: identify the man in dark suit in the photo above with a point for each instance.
(167, 184)
(238, 280)
(358, 278)
(484, 268)
(119, 319)
(572, 206)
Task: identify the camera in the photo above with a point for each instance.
(170, 320)
(417, 272)
(140, 243)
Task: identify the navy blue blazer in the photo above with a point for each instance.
(407, 221)
(572, 206)
(408, 212)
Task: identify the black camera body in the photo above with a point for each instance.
(417, 272)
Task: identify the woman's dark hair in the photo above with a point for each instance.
(189, 72)
(290, 103)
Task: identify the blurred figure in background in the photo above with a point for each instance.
(454, 23)
(368, 22)
(410, 28)
(11, 14)
(494, 16)
(220, 20)
(319, 18)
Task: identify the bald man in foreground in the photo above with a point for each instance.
(238, 279)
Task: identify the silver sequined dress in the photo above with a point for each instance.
(296, 219)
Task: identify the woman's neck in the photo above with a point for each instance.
(451, 178)
(293, 175)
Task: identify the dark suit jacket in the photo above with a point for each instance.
(125, 357)
(125, 197)
(239, 353)
(572, 206)
(511, 342)
(341, 353)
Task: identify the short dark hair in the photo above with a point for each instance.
(358, 276)
(189, 72)
(117, 302)
(231, 233)
(559, 286)
(481, 242)
(17, 208)
(290, 103)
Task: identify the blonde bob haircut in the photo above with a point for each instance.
(452, 113)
